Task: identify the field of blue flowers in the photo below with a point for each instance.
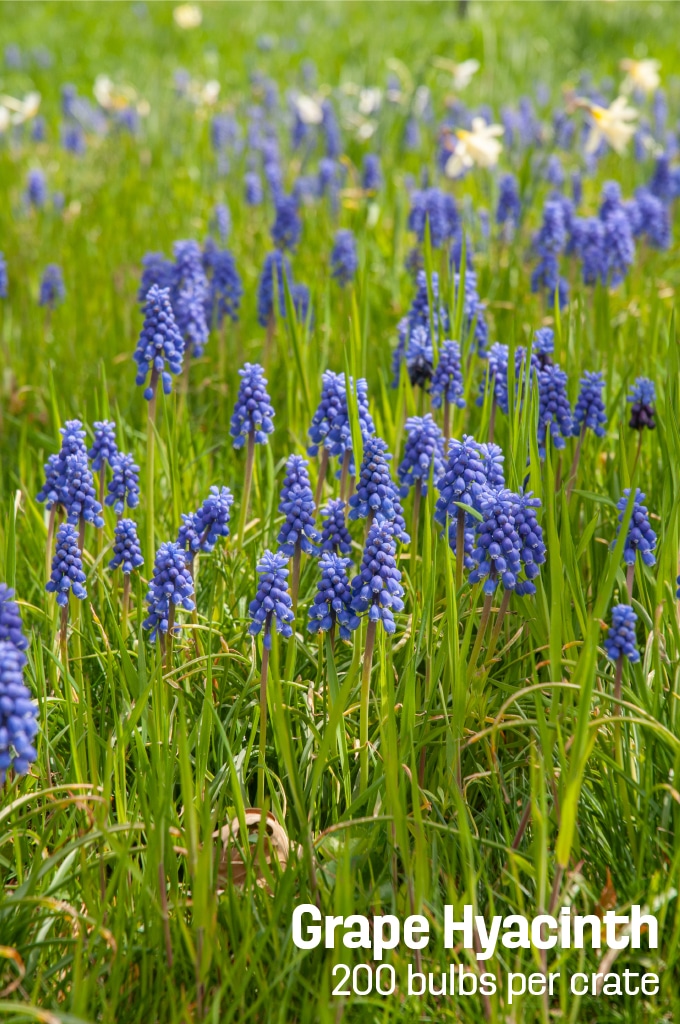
(339, 498)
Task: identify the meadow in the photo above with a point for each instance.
(415, 304)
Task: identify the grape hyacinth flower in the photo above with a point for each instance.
(160, 347)
(18, 714)
(253, 412)
(287, 226)
(211, 520)
(252, 420)
(344, 260)
(4, 284)
(335, 536)
(554, 411)
(104, 448)
(298, 532)
(532, 549)
(225, 289)
(127, 554)
(620, 641)
(79, 494)
(124, 485)
(52, 290)
(640, 537)
(642, 398)
(492, 463)
(171, 584)
(11, 626)
(36, 188)
(371, 174)
(509, 208)
(376, 590)
(376, 496)
(548, 244)
(497, 552)
(330, 425)
(253, 189)
(188, 295)
(332, 604)
(271, 606)
(446, 386)
(589, 414)
(222, 221)
(67, 571)
(419, 357)
(497, 378)
(423, 454)
(438, 209)
(156, 269)
(275, 263)
(462, 482)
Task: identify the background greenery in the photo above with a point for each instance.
(110, 908)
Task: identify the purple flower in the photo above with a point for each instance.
(376, 495)
(272, 604)
(377, 587)
(160, 347)
(297, 505)
(447, 379)
(335, 536)
(18, 714)
(589, 411)
(170, 584)
(11, 626)
(641, 537)
(253, 411)
(127, 553)
(642, 398)
(124, 485)
(104, 448)
(620, 639)
(554, 411)
(188, 295)
(344, 260)
(52, 290)
(67, 567)
(333, 599)
(423, 454)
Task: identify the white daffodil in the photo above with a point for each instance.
(21, 110)
(479, 146)
(462, 74)
(309, 110)
(611, 123)
(187, 16)
(640, 74)
(4, 118)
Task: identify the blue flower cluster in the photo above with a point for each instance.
(189, 295)
(423, 454)
(376, 495)
(297, 505)
(554, 411)
(253, 411)
(104, 448)
(124, 484)
(52, 290)
(642, 398)
(272, 604)
(18, 714)
(447, 380)
(620, 640)
(344, 260)
(377, 587)
(127, 553)
(335, 536)
(171, 584)
(641, 537)
(160, 348)
(11, 626)
(67, 567)
(589, 411)
(333, 599)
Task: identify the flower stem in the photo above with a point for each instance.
(574, 466)
(486, 612)
(492, 421)
(417, 494)
(150, 451)
(247, 483)
(63, 643)
(343, 476)
(460, 547)
(447, 422)
(498, 625)
(295, 578)
(50, 540)
(126, 604)
(630, 580)
(263, 714)
(171, 633)
(365, 696)
(323, 469)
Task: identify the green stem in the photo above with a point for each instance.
(295, 578)
(263, 715)
(171, 633)
(486, 612)
(150, 451)
(365, 696)
(323, 469)
(126, 604)
(460, 547)
(343, 475)
(574, 466)
(247, 483)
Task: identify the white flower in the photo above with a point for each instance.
(309, 110)
(19, 111)
(479, 146)
(210, 92)
(4, 118)
(369, 101)
(461, 74)
(187, 16)
(640, 74)
(611, 123)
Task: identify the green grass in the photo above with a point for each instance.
(108, 849)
